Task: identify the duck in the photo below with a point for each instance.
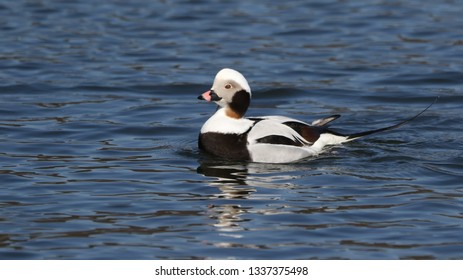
(228, 134)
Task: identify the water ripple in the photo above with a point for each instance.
(99, 122)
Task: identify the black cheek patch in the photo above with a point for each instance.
(240, 102)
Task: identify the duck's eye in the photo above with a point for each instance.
(228, 86)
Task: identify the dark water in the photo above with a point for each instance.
(99, 121)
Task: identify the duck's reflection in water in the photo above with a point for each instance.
(238, 184)
(230, 179)
(225, 173)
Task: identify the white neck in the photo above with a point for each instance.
(221, 123)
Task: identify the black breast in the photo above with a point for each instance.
(230, 146)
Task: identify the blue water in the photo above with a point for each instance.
(99, 121)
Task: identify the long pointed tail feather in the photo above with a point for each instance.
(354, 136)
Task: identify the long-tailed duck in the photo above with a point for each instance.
(271, 139)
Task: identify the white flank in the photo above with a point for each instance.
(271, 153)
(270, 127)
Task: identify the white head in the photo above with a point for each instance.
(230, 90)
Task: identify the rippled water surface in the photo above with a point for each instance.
(99, 121)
